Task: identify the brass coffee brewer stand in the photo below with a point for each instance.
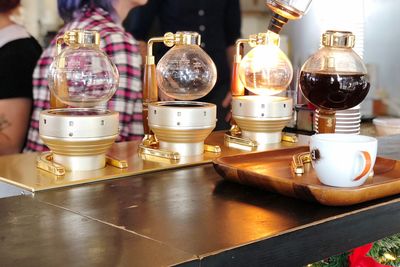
(265, 71)
(258, 119)
(178, 128)
(81, 76)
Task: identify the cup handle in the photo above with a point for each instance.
(367, 158)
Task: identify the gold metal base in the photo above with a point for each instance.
(157, 152)
(180, 128)
(230, 139)
(46, 162)
(259, 120)
(299, 162)
(154, 152)
(21, 169)
(237, 141)
(150, 140)
(79, 138)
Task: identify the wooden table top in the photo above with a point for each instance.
(187, 216)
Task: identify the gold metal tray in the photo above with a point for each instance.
(20, 170)
(271, 170)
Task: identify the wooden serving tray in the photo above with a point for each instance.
(271, 170)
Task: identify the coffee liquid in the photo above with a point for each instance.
(334, 91)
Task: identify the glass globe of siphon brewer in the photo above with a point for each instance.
(265, 69)
(82, 75)
(186, 72)
(334, 78)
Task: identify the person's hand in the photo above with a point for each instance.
(226, 103)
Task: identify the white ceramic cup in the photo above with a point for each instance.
(343, 160)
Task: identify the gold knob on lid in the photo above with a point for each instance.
(81, 37)
(343, 39)
(186, 38)
(264, 38)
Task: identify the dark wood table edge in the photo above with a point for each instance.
(313, 242)
(302, 245)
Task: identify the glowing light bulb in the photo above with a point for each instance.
(266, 70)
(186, 72)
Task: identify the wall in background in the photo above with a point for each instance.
(40, 17)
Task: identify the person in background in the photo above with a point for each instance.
(219, 24)
(104, 16)
(19, 53)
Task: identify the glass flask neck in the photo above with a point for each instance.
(264, 38)
(79, 38)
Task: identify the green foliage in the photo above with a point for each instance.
(389, 245)
(340, 260)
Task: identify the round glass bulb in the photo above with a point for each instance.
(266, 70)
(335, 77)
(83, 77)
(186, 72)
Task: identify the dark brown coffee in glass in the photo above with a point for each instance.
(334, 91)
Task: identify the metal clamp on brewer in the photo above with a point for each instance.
(83, 78)
(178, 128)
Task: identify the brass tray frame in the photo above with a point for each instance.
(20, 169)
(272, 171)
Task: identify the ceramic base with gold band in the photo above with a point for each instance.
(182, 126)
(260, 118)
(79, 138)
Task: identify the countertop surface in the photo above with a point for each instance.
(188, 216)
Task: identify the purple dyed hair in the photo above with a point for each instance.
(68, 9)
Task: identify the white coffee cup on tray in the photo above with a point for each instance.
(343, 160)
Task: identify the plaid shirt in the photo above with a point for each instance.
(123, 51)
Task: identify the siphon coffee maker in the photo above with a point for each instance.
(334, 78)
(265, 71)
(78, 128)
(178, 128)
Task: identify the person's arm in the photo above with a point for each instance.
(14, 121)
(233, 24)
(141, 19)
(16, 70)
(139, 23)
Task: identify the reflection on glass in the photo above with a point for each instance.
(266, 70)
(186, 72)
(83, 77)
